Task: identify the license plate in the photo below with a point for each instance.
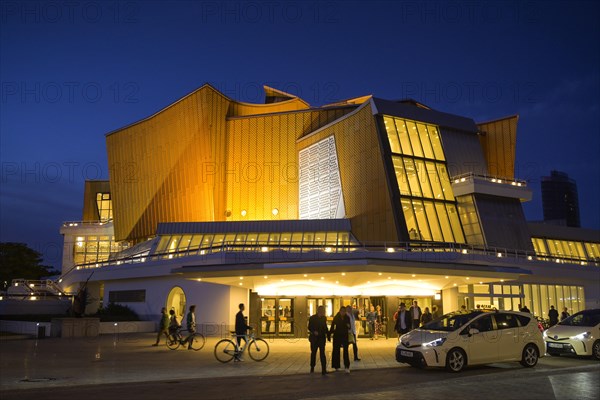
(406, 353)
(555, 345)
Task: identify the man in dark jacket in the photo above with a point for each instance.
(240, 328)
(317, 334)
(403, 320)
(553, 316)
(415, 314)
(340, 328)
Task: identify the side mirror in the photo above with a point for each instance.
(473, 331)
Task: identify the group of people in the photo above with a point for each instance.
(553, 315)
(169, 326)
(343, 331)
(412, 318)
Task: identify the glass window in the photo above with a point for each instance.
(436, 143)
(411, 221)
(424, 135)
(308, 239)
(207, 241)
(297, 238)
(184, 243)
(436, 231)
(162, 245)
(423, 227)
(262, 238)
(331, 238)
(456, 228)
(413, 177)
(481, 289)
(286, 238)
(506, 321)
(424, 179)
(392, 136)
(445, 181)
(434, 179)
(274, 239)
(444, 222)
(401, 176)
(320, 238)
(414, 138)
(195, 243)
(403, 134)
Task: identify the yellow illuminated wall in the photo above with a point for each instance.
(499, 142)
(207, 158)
(366, 194)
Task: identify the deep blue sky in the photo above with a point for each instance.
(73, 71)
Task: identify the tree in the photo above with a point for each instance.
(18, 261)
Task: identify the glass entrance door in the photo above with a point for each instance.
(277, 316)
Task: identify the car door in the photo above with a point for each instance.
(482, 340)
(509, 345)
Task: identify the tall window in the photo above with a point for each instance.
(426, 195)
(104, 204)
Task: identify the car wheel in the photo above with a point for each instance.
(456, 360)
(596, 350)
(530, 356)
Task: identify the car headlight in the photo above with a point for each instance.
(435, 343)
(545, 334)
(582, 336)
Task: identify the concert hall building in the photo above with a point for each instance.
(285, 206)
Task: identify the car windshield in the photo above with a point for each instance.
(583, 318)
(450, 322)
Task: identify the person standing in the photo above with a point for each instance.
(173, 325)
(268, 315)
(553, 316)
(163, 326)
(436, 312)
(371, 319)
(191, 326)
(241, 327)
(403, 320)
(340, 328)
(415, 314)
(317, 335)
(350, 315)
(426, 317)
(564, 314)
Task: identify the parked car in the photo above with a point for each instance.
(475, 337)
(578, 335)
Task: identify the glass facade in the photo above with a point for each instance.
(470, 220)
(182, 245)
(427, 201)
(566, 249)
(104, 204)
(538, 298)
(91, 249)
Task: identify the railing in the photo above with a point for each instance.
(85, 223)
(470, 176)
(387, 248)
(34, 289)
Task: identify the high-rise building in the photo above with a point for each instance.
(559, 199)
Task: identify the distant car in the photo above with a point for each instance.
(476, 337)
(578, 335)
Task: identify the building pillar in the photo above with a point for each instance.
(450, 300)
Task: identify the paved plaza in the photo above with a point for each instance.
(127, 366)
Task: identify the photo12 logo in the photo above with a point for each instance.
(70, 92)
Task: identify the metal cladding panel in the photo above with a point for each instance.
(364, 184)
(312, 225)
(463, 153)
(262, 163)
(166, 167)
(503, 222)
(499, 143)
(238, 109)
(90, 206)
(409, 111)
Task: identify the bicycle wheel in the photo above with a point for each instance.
(173, 342)
(258, 349)
(197, 341)
(224, 350)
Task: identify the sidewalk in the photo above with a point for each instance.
(52, 362)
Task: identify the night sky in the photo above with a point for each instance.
(73, 71)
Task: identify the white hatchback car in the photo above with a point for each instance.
(476, 337)
(578, 335)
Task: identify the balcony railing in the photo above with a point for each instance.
(469, 176)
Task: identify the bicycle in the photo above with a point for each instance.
(195, 341)
(227, 349)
